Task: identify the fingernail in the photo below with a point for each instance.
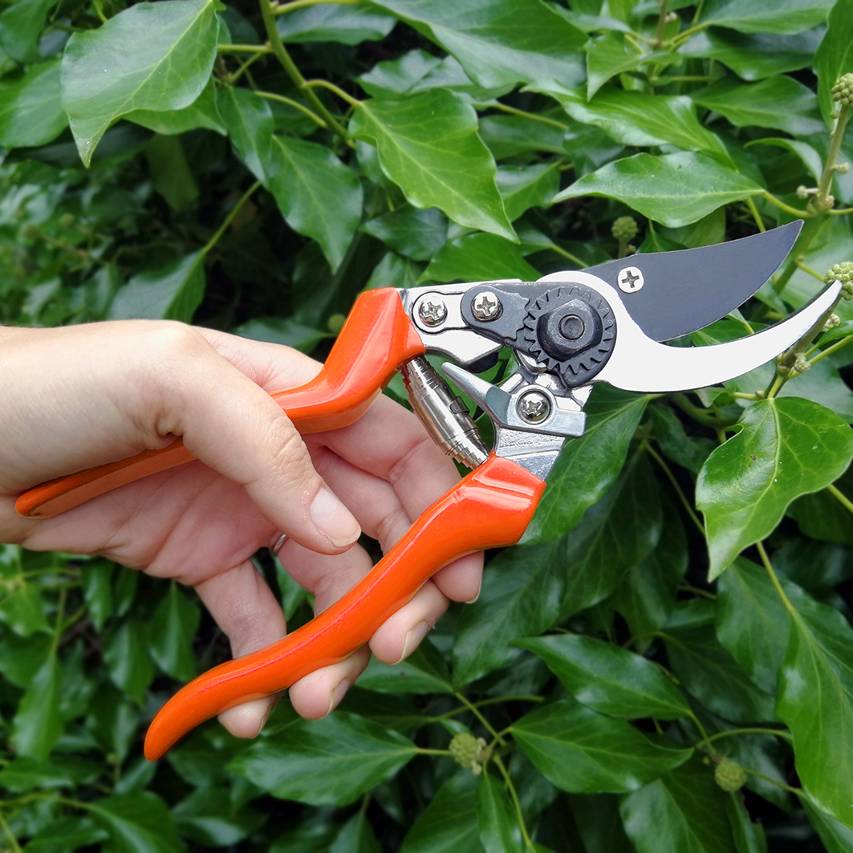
(479, 590)
(333, 519)
(413, 637)
(337, 695)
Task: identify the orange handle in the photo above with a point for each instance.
(491, 507)
(375, 340)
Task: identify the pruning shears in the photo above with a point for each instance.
(567, 331)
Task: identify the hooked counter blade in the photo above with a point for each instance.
(685, 290)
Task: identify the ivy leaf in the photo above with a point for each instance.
(424, 671)
(816, 702)
(417, 234)
(495, 818)
(835, 55)
(37, 725)
(499, 43)
(748, 836)
(21, 605)
(785, 448)
(210, 819)
(584, 752)
(323, 762)
(608, 679)
(173, 628)
(127, 659)
(96, 579)
(21, 24)
(525, 187)
(282, 330)
(758, 104)
(757, 16)
(640, 119)
(356, 836)
(673, 189)
(250, 126)
(152, 56)
(684, 810)
(476, 257)
(836, 836)
(449, 168)
(203, 112)
(588, 465)
(449, 822)
(309, 182)
(137, 823)
(170, 292)
(343, 25)
(607, 56)
(31, 107)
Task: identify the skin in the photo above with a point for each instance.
(84, 395)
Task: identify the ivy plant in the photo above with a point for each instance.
(666, 662)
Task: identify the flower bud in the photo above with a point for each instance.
(842, 168)
(842, 272)
(624, 228)
(832, 321)
(469, 751)
(729, 775)
(802, 191)
(842, 91)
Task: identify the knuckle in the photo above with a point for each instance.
(289, 451)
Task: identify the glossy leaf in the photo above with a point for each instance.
(673, 189)
(308, 181)
(448, 168)
(495, 817)
(607, 56)
(137, 823)
(328, 761)
(756, 16)
(479, 256)
(417, 234)
(127, 658)
(31, 107)
(38, 725)
(785, 448)
(21, 606)
(342, 24)
(21, 23)
(203, 112)
(608, 679)
(836, 836)
(173, 628)
(424, 671)
(835, 55)
(496, 43)
(584, 752)
(250, 126)
(152, 56)
(449, 822)
(684, 811)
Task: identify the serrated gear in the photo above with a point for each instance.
(577, 369)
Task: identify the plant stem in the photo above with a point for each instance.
(513, 795)
(422, 750)
(13, 842)
(833, 348)
(825, 183)
(245, 48)
(774, 579)
(232, 215)
(327, 84)
(840, 497)
(671, 477)
(750, 203)
(750, 730)
(293, 5)
(801, 264)
(697, 591)
(568, 255)
(476, 712)
(794, 211)
(841, 211)
(272, 96)
(515, 111)
(661, 26)
(281, 54)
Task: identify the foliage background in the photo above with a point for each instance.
(252, 169)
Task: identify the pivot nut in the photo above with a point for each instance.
(432, 311)
(486, 306)
(534, 407)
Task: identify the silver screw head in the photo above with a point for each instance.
(534, 407)
(486, 306)
(432, 311)
(630, 279)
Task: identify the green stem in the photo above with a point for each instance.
(422, 750)
(774, 579)
(281, 54)
(840, 497)
(698, 414)
(327, 84)
(749, 730)
(807, 235)
(841, 211)
(833, 348)
(750, 203)
(661, 26)
(13, 842)
(272, 96)
(697, 591)
(794, 211)
(293, 5)
(801, 264)
(513, 795)
(825, 183)
(776, 385)
(245, 48)
(564, 253)
(476, 712)
(671, 477)
(232, 215)
(515, 111)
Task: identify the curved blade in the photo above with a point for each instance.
(640, 364)
(686, 290)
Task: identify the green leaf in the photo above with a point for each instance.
(417, 234)
(835, 55)
(584, 752)
(673, 189)
(173, 628)
(66, 834)
(802, 150)
(21, 605)
(816, 702)
(341, 24)
(588, 465)
(608, 679)
(449, 823)
(754, 57)
(495, 817)
(711, 674)
(779, 102)
(683, 811)
(127, 659)
(171, 175)
(748, 836)
(499, 43)
(508, 136)
(394, 271)
(210, 818)
(607, 56)
(785, 448)
(250, 126)
(758, 16)
(152, 56)
(309, 182)
(449, 168)
(526, 187)
(37, 724)
(203, 112)
(641, 119)
(21, 24)
(31, 107)
(170, 292)
(689, 451)
(424, 671)
(323, 762)
(475, 257)
(137, 823)
(282, 330)
(836, 836)
(96, 579)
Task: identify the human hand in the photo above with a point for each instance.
(85, 395)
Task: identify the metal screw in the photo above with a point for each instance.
(486, 306)
(432, 311)
(534, 407)
(630, 279)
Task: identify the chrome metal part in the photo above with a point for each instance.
(444, 415)
(533, 406)
(630, 279)
(486, 306)
(432, 311)
(535, 452)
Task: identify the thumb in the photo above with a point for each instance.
(233, 426)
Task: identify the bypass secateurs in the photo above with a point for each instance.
(568, 331)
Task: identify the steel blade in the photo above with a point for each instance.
(685, 290)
